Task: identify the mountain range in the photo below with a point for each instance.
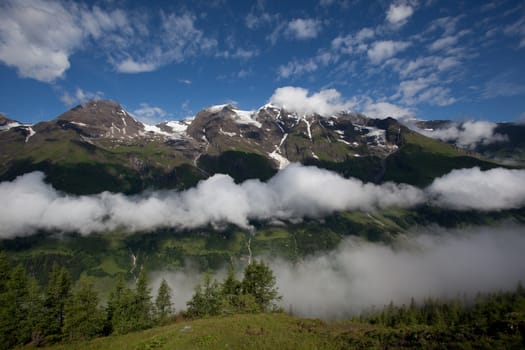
(99, 146)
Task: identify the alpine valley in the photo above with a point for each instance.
(98, 147)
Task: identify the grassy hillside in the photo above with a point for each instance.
(280, 331)
(421, 159)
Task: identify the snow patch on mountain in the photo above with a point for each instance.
(9, 126)
(31, 132)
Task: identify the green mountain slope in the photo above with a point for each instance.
(100, 147)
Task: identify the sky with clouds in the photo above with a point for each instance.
(163, 60)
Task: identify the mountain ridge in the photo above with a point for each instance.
(101, 138)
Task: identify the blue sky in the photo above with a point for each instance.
(169, 59)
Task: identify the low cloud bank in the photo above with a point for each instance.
(468, 134)
(359, 275)
(294, 193)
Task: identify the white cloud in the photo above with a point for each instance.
(129, 65)
(383, 50)
(295, 68)
(437, 95)
(178, 40)
(238, 53)
(398, 13)
(149, 114)
(324, 102)
(38, 37)
(426, 65)
(289, 195)
(80, 96)
(382, 110)
(425, 90)
(443, 43)
(301, 28)
(354, 43)
(429, 263)
(493, 189)
(468, 134)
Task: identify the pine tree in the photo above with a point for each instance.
(259, 282)
(143, 305)
(163, 304)
(207, 299)
(83, 317)
(57, 294)
(120, 310)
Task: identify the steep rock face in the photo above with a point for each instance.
(101, 119)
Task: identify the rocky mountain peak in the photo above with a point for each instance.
(101, 119)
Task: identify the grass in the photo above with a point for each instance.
(281, 331)
(259, 331)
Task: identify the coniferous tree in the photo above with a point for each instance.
(83, 317)
(207, 299)
(57, 294)
(259, 282)
(142, 305)
(163, 304)
(120, 315)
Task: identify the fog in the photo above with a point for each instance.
(359, 274)
(468, 134)
(292, 194)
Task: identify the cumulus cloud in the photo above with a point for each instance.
(292, 194)
(299, 100)
(398, 13)
(359, 275)
(38, 37)
(303, 28)
(468, 134)
(385, 49)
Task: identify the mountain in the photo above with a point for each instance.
(99, 146)
(500, 142)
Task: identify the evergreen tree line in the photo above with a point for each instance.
(63, 312)
(488, 311)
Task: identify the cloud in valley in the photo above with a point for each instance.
(362, 274)
(290, 195)
(468, 134)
